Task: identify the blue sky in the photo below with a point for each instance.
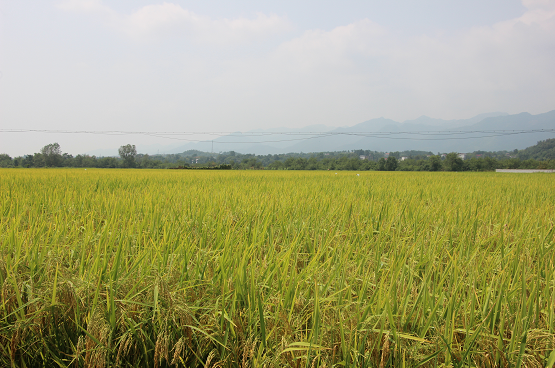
(235, 66)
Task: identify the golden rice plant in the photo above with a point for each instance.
(138, 268)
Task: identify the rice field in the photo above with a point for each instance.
(164, 268)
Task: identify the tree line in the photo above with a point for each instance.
(540, 156)
(51, 155)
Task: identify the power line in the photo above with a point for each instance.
(297, 136)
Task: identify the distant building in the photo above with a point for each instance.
(404, 158)
(524, 171)
(462, 155)
(362, 157)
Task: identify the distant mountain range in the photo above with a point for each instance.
(423, 134)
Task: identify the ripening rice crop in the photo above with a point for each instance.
(138, 268)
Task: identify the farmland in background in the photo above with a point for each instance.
(146, 268)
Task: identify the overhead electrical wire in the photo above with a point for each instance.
(299, 136)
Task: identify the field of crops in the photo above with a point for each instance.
(139, 268)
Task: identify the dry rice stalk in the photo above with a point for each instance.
(96, 355)
(79, 350)
(124, 347)
(161, 349)
(13, 345)
(209, 358)
(385, 351)
(248, 351)
(314, 362)
(177, 350)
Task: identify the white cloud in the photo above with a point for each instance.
(153, 21)
(542, 4)
(86, 6)
(170, 18)
(342, 76)
(339, 46)
(370, 69)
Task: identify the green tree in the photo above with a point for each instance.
(490, 163)
(108, 162)
(368, 165)
(67, 160)
(513, 163)
(6, 160)
(276, 165)
(312, 163)
(435, 163)
(299, 164)
(381, 164)
(29, 160)
(453, 162)
(38, 160)
(474, 164)
(145, 161)
(289, 162)
(128, 153)
(52, 154)
(391, 163)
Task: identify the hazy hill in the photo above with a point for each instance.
(262, 144)
(383, 134)
(438, 142)
(543, 150)
(455, 123)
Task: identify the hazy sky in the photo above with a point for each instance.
(147, 65)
